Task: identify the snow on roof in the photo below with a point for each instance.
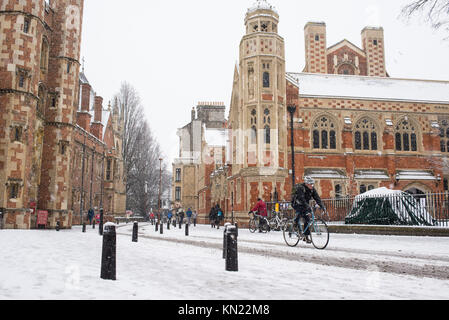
(370, 88)
(380, 192)
(325, 174)
(371, 175)
(261, 5)
(415, 175)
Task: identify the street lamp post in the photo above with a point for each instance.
(292, 109)
(160, 188)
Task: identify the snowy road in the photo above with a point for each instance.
(338, 254)
(172, 266)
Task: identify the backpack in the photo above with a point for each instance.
(220, 213)
(295, 198)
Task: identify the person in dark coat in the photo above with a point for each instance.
(301, 197)
(212, 217)
(219, 215)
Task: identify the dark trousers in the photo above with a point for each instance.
(303, 214)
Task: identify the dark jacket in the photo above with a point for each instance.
(301, 198)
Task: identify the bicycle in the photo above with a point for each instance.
(319, 232)
(276, 223)
(254, 222)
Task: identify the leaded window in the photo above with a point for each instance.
(365, 135)
(324, 134)
(406, 136)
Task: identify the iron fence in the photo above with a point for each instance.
(433, 208)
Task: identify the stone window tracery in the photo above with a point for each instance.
(406, 136)
(324, 135)
(365, 135)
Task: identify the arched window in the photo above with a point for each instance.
(253, 126)
(346, 69)
(324, 135)
(406, 136)
(267, 123)
(44, 54)
(365, 135)
(266, 79)
(444, 136)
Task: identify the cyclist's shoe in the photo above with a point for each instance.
(307, 240)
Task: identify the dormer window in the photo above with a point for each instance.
(317, 37)
(264, 27)
(255, 27)
(375, 42)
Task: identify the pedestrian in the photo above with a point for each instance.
(181, 216)
(219, 217)
(90, 215)
(169, 216)
(189, 215)
(194, 216)
(212, 217)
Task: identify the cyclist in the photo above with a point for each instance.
(261, 210)
(302, 194)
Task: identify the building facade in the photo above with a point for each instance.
(354, 127)
(41, 124)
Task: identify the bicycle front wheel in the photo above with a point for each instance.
(252, 226)
(319, 234)
(291, 234)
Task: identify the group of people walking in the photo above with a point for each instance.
(216, 216)
(301, 196)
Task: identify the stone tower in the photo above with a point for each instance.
(61, 114)
(316, 46)
(373, 45)
(40, 44)
(258, 111)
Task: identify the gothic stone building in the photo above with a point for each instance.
(355, 128)
(43, 130)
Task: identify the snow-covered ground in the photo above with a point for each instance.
(66, 265)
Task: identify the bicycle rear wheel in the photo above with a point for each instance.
(291, 234)
(319, 234)
(252, 226)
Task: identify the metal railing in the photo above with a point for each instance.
(425, 209)
(430, 209)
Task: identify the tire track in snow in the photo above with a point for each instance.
(427, 270)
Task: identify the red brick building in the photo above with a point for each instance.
(41, 126)
(354, 127)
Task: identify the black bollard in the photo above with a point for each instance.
(135, 230)
(108, 257)
(231, 249)
(93, 224)
(84, 227)
(187, 229)
(162, 228)
(58, 226)
(168, 225)
(156, 228)
(174, 223)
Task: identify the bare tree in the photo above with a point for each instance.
(141, 153)
(435, 12)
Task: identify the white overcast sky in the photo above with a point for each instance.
(177, 53)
